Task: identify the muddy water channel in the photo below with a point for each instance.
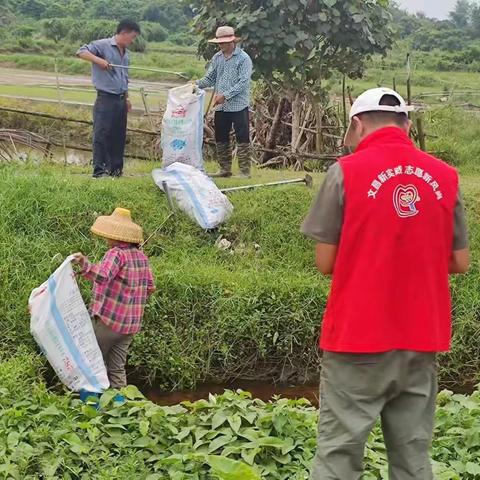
(263, 390)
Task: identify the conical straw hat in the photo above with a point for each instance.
(118, 226)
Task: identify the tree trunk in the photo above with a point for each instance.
(271, 142)
(319, 140)
(421, 132)
(306, 118)
(296, 114)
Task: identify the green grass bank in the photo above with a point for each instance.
(252, 311)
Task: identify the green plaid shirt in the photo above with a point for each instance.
(231, 77)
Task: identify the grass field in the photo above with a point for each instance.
(78, 95)
(160, 56)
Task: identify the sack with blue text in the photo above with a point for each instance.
(195, 194)
(61, 325)
(182, 127)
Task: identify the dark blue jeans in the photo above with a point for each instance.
(241, 125)
(109, 134)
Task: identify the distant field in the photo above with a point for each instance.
(160, 56)
(427, 86)
(81, 95)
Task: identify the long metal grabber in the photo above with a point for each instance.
(307, 180)
(154, 70)
(171, 206)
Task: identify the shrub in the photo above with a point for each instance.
(154, 32)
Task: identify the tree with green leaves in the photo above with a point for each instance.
(460, 15)
(296, 45)
(32, 8)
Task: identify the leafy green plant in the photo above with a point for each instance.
(227, 437)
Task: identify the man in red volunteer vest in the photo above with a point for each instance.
(389, 225)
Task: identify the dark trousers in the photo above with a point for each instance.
(239, 120)
(109, 134)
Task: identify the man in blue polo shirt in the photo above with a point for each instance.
(230, 74)
(112, 104)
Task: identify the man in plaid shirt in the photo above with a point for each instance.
(122, 283)
(230, 74)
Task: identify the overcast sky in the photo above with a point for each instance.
(433, 8)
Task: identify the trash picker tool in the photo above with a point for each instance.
(154, 70)
(307, 180)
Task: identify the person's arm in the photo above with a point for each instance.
(104, 271)
(325, 258)
(244, 78)
(91, 53)
(210, 77)
(325, 220)
(460, 260)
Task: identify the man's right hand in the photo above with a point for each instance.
(103, 64)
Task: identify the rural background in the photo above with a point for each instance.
(247, 315)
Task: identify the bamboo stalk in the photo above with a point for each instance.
(301, 128)
(421, 132)
(311, 130)
(145, 106)
(81, 148)
(409, 80)
(60, 102)
(344, 98)
(68, 119)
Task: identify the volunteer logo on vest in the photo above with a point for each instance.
(405, 198)
(383, 177)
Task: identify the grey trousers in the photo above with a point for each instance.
(114, 348)
(400, 387)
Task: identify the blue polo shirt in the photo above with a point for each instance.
(114, 80)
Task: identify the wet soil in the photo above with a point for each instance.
(262, 390)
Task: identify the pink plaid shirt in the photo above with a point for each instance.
(122, 282)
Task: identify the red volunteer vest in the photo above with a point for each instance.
(390, 287)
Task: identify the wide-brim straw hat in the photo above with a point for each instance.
(118, 226)
(224, 35)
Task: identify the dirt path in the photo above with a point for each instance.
(37, 86)
(13, 76)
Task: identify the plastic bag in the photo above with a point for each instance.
(182, 127)
(61, 325)
(195, 193)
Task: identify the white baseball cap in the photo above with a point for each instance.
(369, 101)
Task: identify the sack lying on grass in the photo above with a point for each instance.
(182, 127)
(61, 325)
(195, 193)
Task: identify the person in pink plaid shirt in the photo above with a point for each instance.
(122, 283)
